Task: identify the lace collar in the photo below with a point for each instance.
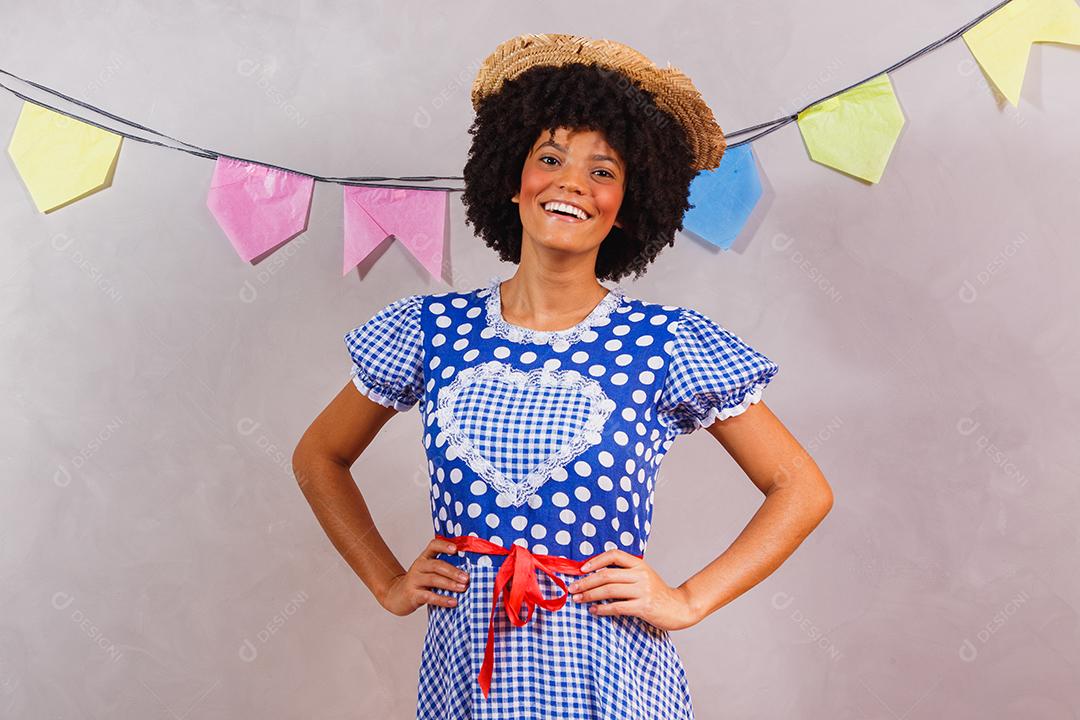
(517, 333)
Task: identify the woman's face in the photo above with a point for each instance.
(577, 168)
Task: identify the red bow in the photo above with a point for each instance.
(518, 569)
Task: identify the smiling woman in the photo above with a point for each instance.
(572, 187)
(548, 402)
(628, 162)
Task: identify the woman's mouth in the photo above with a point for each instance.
(563, 212)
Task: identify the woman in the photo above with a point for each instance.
(549, 401)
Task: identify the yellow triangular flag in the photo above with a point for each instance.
(854, 131)
(61, 159)
(1001, 43)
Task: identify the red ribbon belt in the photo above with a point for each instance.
(517, 570)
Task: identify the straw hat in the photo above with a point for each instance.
(672, 90)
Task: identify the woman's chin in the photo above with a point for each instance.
(565, 243)
(569, 239)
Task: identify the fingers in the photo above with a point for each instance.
(428, 563)
(451, 580)
(608, 592)
(422, 586)
(622, 607)
(434, 598)
(617, 591)
(429, 580)
(429, 573)
(436, 546)
(603, 576)
(612, 557)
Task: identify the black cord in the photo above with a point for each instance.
(372, 181)
(379, 181)
(780, 122)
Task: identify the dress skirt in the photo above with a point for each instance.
(564, 665)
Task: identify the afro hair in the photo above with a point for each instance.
(580, 96)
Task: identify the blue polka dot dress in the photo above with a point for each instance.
(550, 441)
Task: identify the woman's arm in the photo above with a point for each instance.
(321, 463)
(797, 498)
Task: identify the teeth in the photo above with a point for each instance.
(566, 208)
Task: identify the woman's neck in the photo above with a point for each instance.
(549, 302)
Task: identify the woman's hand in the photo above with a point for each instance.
(636, 589)
(410, 590)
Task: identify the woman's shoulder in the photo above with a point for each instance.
(686, 317)
(400, 316)
(403, 309)
(409, 308)
(456, 297)
(658, 313)
(690, 328)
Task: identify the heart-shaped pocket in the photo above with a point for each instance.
(514, 428)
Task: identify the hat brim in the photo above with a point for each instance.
(672, 90)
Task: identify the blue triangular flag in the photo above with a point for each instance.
(724, 198)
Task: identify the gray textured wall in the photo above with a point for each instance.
(156, 556)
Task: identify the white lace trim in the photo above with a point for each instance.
(716, 413)
(517, 333)
(600, 409)
(375, 394)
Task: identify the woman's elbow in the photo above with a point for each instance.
(306, 457)
(299, 462)
(822, 498)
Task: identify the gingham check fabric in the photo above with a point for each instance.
(712, 374)
(554, 444)
(564, 665)
(386, 352)
(537, 421)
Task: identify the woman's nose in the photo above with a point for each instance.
(571, 178)
(570, 183)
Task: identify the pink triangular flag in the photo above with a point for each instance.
(258, 207)
(416, 218)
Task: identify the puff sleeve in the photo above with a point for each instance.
(387, 354)
(712, 374)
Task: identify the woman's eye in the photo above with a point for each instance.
(543, 158)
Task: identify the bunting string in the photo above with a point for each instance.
(772, 125)
(63, 157)
(195, 149)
